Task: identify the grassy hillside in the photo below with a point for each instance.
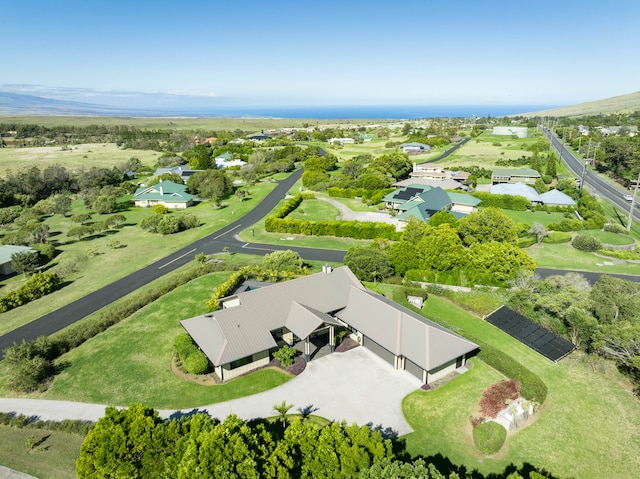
(618, 104)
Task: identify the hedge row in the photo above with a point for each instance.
(192, 358)
(533, 388)
(46, 349)
(339, 228)
(369, 196)
(39, 285)
(225, 289)
(292, 203)
(506, 202)
(556, 237)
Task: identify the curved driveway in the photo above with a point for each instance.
(356, 386)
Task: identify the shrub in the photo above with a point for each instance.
(556, 237)
(567, 224)
(531, 386)
(489, 437)
(494, 398)
(526, 241)
(285, 355)
(47, 251)
(196, 362)
(225, 289)
(614, 228)
(586, 243)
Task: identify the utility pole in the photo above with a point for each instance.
(633, 202)
(584, 172)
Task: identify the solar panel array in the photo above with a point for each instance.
(407, 193)
(531, 334)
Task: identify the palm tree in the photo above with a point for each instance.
(282, 409)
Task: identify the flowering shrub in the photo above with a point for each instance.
(495, 397)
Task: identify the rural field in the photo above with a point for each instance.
(83, 156)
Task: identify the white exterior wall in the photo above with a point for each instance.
(147, 203)
(463, 208)
(231, 303)
(258, 360)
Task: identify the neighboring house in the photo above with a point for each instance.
(557, 198)
(423, 201)
(446, 184)
(516, 189)
(514, 175)
(5, 257)
(519, 131)
(342, 141)
(165, 193)
(225, 160)
(252, 325)
(415, 148)
(182, 171)
(433, 171)
(259, 137)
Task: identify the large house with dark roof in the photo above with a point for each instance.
(252, 325)
(423, 201)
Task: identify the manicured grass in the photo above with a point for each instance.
(314, 210)
(531, 217)
(565, 256)
(130, 362)
(587, 428)
(54, 458)
(98, 264)
(607, 237)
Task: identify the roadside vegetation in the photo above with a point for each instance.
(134, 355)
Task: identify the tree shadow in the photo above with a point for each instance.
(307, 411)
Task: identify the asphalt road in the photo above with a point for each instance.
(211, 244)
(590, 179)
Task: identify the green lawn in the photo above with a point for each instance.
(130, 362)
(314, 210)
(565, 256)
(607, 237)
(531, 217)
(98, 265)
(54, 458)
(587, 428)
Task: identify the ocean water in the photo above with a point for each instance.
(358, 112)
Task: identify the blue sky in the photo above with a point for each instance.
(346, 52)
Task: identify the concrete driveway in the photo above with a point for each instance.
(356, 386)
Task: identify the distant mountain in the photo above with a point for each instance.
(17, 104)
(618, 104)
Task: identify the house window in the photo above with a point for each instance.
(240, 362)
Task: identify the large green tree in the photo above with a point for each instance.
(368, 263)
(487, 225)
(212, 184)
(117, 445)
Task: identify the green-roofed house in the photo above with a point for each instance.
(514, 175)
(167, 193)
(422, 202)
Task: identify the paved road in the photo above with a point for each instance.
(590, 179)
(213, 243)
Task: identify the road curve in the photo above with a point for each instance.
(210, 244)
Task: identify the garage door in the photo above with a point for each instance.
(385, 354)
(413, 368)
